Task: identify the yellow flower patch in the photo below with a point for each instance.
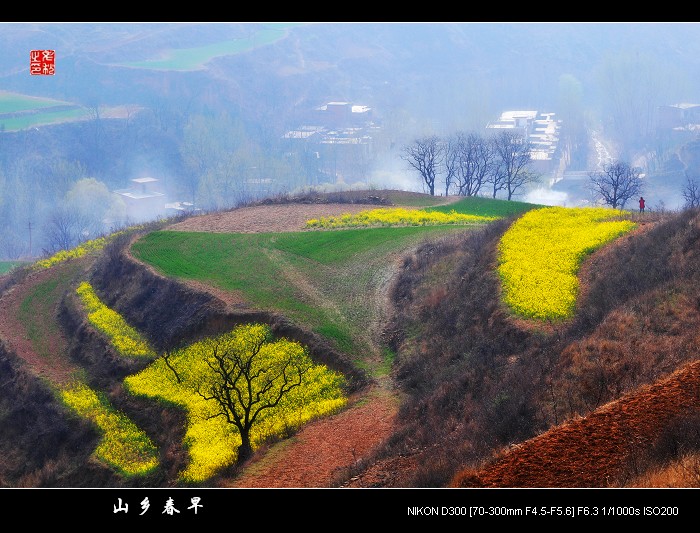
(395, 216)
(540, 255)
(127, 340)
(82, 249)
(123, 446)
(212, 442)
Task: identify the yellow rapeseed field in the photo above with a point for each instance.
(123, 445)
(395, 216)
(78, 251)
(212, 442)
(126, 339)
(540, 254)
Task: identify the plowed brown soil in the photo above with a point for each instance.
(265, 218)
(593, 451)
(324, 450)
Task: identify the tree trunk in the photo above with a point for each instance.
(245, 450)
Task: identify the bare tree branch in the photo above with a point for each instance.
(166, 359)
(243, 382)
(425, 155)
(616, 184)
(513, 154)
(66, 229)
(691, 193)
(475, 161)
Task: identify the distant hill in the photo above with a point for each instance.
(430, 69)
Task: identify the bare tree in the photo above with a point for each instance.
(616, 184)
(243, 381)
(11, 245)
(66, 229)
(451, 163)
(425, 155)
(475, 161)
(513, 155)
(691, 192)
(520, 180)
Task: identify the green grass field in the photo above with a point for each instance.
(15, 102)
(20, 112)
(329, 281)
(6, 266)
(195, 58)
(41, 119)
(412, 199)
(488, 207)
(37, 310)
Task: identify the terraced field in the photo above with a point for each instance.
(336, 285)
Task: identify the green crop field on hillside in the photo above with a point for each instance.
(43, 118)
(6, 266)
(195, 58)
(37, 307)
(485, 207)
(15, 102)
(20, 111)
(326, 280)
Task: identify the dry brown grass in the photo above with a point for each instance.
(594, 402)
(681, 473)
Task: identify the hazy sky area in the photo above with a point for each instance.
(217, 114)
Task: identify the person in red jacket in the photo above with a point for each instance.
(641, 204)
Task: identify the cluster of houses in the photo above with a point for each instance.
(542, 130)
(338, 137)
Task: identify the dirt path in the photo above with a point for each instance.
(324, 449)
(27, 340)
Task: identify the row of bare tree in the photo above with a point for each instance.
(469, 163)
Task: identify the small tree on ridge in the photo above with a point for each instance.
(616, 184)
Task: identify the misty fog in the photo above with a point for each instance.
(149, 120)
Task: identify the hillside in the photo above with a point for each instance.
(602, 400)
(445, 387)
